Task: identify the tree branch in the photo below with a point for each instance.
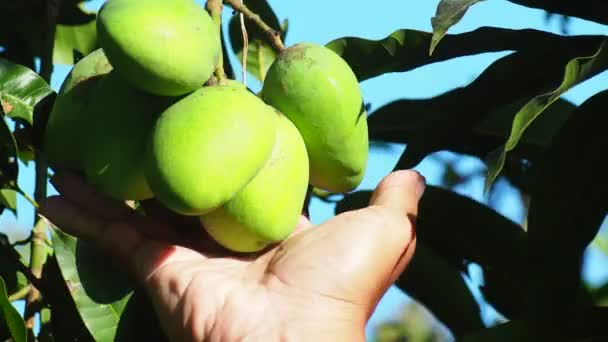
(274, 37)
(215, 7)
(594, 10)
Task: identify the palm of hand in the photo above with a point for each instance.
(323, 281)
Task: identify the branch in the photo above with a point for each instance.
(215, 7)
(21, 294)
(274, 37)
(594, 10)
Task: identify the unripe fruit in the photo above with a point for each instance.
(116, 134)
(165, 47)
(268, 208)
(316, 89)
(207, 147)
(63, 132)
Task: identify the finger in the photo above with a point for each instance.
(78, 191)
(139, 255)
(400, 191)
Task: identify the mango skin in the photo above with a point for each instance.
(316, 89)
(268, 209)
(207, 147)
(63, 134)
(165, 47)
(116, 131)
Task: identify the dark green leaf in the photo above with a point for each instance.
(72, 12)
(442, 290)
(506, 332)
(260, 54)
(21, 90)
(9, 168)
(595, 10)
(484, 236)
(11, 317)
(405, 50)
(448, 14)
(567, 208)
(577, 70)
(445, 122)
(82, 38)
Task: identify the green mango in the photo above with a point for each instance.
(62, 138)
(165, 47)
(269, 207)
(316, 89)
(116, 132)
(207, 147)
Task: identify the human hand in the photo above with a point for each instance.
(321, 284)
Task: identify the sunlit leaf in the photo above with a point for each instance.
(448, 14)
(104, 295)
(82, 38)
(21, 90)
(8, 199)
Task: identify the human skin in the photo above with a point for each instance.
(321, 284)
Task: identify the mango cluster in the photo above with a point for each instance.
(136, 119)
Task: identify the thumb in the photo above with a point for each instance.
(357, 255)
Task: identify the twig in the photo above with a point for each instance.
(215, 7)
(38, 245)
(245, 46)
(274, 37)
(21, 294)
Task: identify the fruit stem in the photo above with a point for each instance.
(274, 37)
(215, 7)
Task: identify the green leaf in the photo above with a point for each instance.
(448, 14)
(99, 291)
(108, 303)
(82, 38)
(443, 291)
(567, 207)
(9, 168)
(260, 54)
(8, 199)
(21, 90)
(445, 122)
(405, 50)
(11, 317)
(577, 70)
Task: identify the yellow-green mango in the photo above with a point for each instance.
(207, 147)
(116, 132)
(63, 132)
(269, 207)
(316, 89)
(165, 47)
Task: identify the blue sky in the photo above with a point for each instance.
(321, 21)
